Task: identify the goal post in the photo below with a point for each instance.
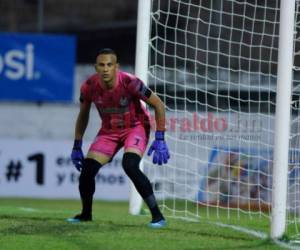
(282, 119)
(141, 71)
(229, 75)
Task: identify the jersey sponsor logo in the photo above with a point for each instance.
(18, 64)
(113, 110)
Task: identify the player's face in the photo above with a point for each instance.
(106, 66)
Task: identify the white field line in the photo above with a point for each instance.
(257, 234)
(36, 210)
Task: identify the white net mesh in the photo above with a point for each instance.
(214, 64)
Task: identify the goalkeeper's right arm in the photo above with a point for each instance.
(80, 127)
(82, 120)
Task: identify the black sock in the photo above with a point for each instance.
(87, 185)
(130, 164)
(87, 203)
(154, 209)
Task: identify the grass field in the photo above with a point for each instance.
(40, 224)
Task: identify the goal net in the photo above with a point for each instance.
(214, 64)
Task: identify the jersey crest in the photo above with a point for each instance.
(123, 101)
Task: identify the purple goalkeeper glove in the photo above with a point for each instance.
(77, 155)
(160, 148)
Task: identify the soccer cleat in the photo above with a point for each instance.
(80, 218)
(157, 225)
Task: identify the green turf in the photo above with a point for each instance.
(40, 224)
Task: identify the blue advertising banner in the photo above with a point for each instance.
(36, 67)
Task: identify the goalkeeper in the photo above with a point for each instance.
(125, 123)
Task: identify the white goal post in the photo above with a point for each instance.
(282, 119)
(141, 71)
(228, 73)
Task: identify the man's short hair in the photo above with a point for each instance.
(107, 51)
